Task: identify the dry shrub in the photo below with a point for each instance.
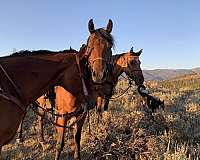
(126, 131)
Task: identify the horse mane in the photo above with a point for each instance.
(103, 34)
(115, 58)
(40, 52)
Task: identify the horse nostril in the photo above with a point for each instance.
(104, 75)
(93, 73)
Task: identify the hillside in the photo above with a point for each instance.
(197, 70)
(128, 130)
(165, 74)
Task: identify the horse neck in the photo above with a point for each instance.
(117, 69)
(33, 75)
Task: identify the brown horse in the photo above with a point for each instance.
(25, 76)
(47, 102)
(100, 42)
(126, 62)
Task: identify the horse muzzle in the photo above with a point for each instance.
(98, 77)
(138, 80)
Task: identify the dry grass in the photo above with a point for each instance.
(127, 131)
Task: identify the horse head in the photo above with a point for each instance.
(131, 66)
(98, 52)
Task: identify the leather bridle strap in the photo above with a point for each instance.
(98, 59)
(85, 91)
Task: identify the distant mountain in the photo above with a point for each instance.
(165, 74)
(197, 70)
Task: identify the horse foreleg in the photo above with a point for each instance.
(99, 102)
(20, 131)
(106, 103)
(60, 137)
(77, 137)
(41, 126)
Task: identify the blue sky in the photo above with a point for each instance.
(167, 30)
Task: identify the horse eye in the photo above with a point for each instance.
(132, 62)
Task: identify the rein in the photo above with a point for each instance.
(66, 115)
(85, 91)
(129, 86)
(20, 105)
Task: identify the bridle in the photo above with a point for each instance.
(91, 63)
(130, 83)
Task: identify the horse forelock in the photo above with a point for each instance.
(103, 34)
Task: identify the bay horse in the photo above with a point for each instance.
(25, 76)
(100, 41)
(128, 63)
(47, 102)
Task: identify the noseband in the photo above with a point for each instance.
(90, 64)
(103, 59)
(106, 65)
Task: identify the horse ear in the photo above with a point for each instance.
(91, 26)
(109, 26)
(131, 50)
(139, 52)
(82, 50)
(136, 53)
(70, 48)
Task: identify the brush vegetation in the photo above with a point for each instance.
(127, 131)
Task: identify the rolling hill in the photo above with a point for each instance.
(165, 74)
